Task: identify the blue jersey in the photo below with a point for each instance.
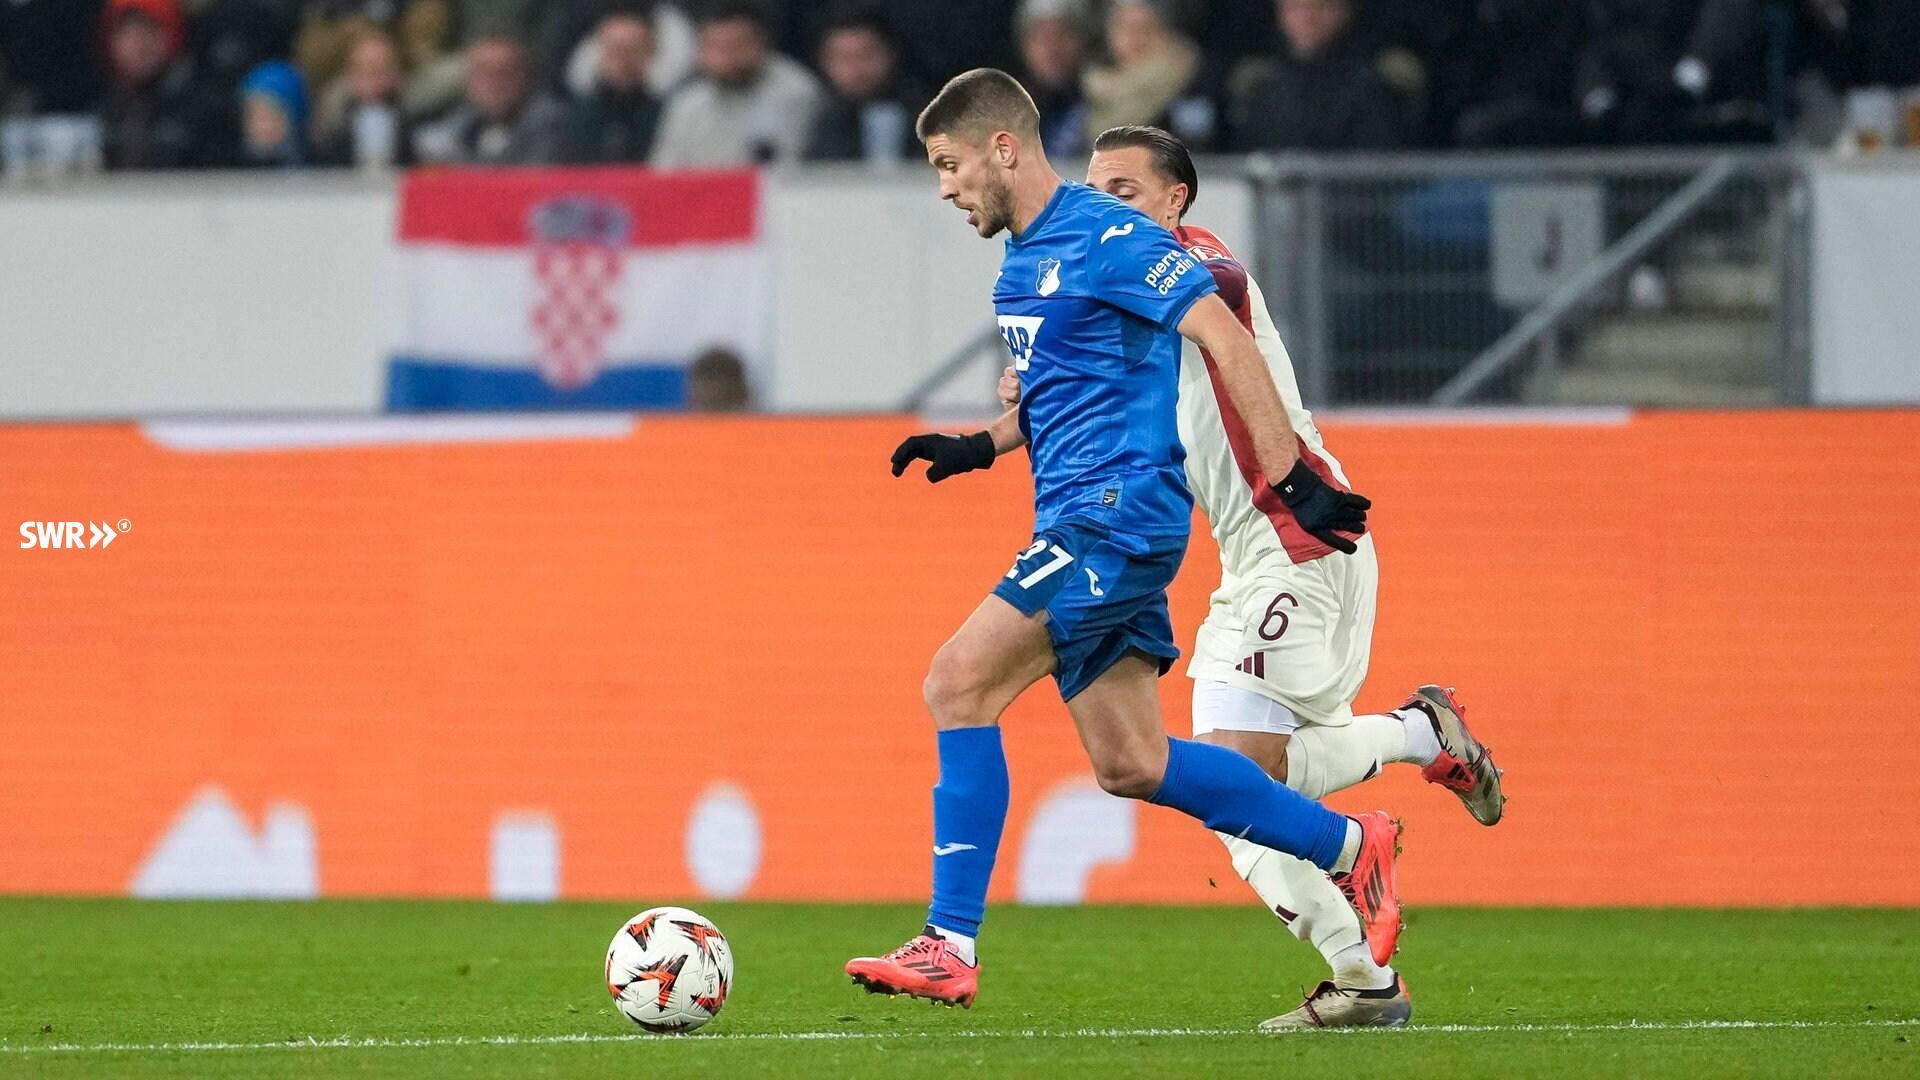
(1089, 297)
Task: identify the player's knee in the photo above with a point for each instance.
(1267, 751)
(952, 690)
(1273, 759)
(1131, 772)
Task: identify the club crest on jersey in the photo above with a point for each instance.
(1020, 332)
(1049, 276)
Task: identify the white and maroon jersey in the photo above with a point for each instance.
(1252, 527)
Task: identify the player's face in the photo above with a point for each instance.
(972, 178)
(1127, 174)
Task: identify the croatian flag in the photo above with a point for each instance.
(548, 288)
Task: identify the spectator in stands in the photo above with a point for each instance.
(438, 80)
(1053, 50)
(157, 114)
(502, 121)
(1841, 47)
(570, 40)
(616, 120)
(1407, 43)
(1656, 71)
(871, 107)
(360, 119)
(329, 30)
(717, 382)
(1320, 93)
(46, 48)
(1508, 79)
(521, 19)
(1155, 76)
(273, 117)
(748, 104)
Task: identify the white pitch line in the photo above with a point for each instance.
(349, 1043)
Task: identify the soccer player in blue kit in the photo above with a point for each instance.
(1093, 298)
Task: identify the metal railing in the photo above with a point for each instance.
(1627, 277)
(1672, 213)
(1676, 276)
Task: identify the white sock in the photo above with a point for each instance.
(1323, 760)
(1353, 968)
(959, 943)
(1310, 905)
(1349, 850)
(1423, 740)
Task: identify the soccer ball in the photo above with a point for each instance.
(669, 970)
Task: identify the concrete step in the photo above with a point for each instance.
(1679, 389)
(1729, 347)
(1724, 287)
(1754, 242)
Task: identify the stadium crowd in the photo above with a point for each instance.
(155, 84)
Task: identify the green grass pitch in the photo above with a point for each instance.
(105, 988)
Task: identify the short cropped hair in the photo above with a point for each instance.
(1169, 154)
(978, 102)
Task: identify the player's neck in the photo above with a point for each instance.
(1032, 191)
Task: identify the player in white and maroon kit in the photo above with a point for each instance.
(1285, 645)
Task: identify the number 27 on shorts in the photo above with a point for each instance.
(1039, 562)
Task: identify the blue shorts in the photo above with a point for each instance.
(1105, 595)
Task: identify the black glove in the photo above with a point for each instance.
(1325, 512)
(949, 455)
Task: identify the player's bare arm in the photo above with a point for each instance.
(1211, 325)
(1006, 433)
(1322, 510)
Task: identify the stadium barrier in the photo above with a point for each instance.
(230, 295)
(237, 295)
(590, 656)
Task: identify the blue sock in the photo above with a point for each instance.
(969, 810)
(1233, 795)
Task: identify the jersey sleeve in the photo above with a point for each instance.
(1140, 268)
(1231, 279)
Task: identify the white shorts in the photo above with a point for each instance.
(1218, 706)
(1297, 635)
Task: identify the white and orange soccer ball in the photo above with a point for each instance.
(669, 970)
